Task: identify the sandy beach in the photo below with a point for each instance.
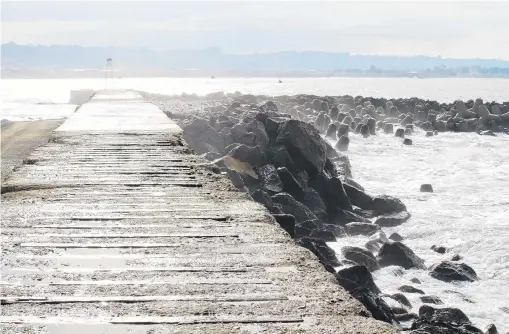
(21, 138)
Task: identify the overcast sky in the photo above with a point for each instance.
(450, 29)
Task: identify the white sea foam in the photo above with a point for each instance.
(468, 212)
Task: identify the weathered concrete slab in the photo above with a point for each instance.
(113, 227)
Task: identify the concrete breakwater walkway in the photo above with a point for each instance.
(114, 227)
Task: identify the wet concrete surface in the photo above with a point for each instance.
(116, 227)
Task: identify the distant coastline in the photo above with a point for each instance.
(62, 73)
(73, 61)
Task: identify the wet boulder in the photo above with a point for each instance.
(395, 237)
(263, 198)
(439, 249)
(293, 207)
(342, 144)
(371, 123)
(452, 271)
(287, 222)
(402, 299)
(426, 188)
(324, 253)
(365, 131)
(359, 282)
(314, 202)
(360, 256)
(306, 228)
(332, 192)
(443, 321)
(304, 144)
(279, 157)
(386, 204)
(358, 197)
(431, 300)
(290, 183)
(410, 289)
(398, 254)
(407, 141)
(331, 131)
(491, 329)
(400, 133)
(343, 130)
(357, 228)
(392, 219)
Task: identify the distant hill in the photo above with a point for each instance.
(128, 61)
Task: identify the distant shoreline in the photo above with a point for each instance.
(9, 76)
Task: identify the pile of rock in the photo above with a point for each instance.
(287, 166)
(365, 115)
(283, 161)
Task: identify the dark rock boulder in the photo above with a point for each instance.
(395, 237)
(491, 329)
(342, 144)
(270, 179)
(388, 128)
(304, 144)
(407, 141)
(330, 169)
(410, 289)
(332, 192)
(287, 222)
(371, 123)
(415, 280)
(290, 183)
(304, 229)
(400, 133)
(357, 228)
(358, 197)
(293, 207)
(443, 321)
(263, 198)
(402, 299)
(331, 131)
(426, 188)
(315, 203)
(387, 204)
(324, 253)
(398, 254)
(392, 219)
(365, 131)
(431, 300)
(279, 157)
(338, 231)
(407, 317)
(359, 282)
(439, 249)
(452, 271)
(343, 130)
(360, 256)
(456, 257)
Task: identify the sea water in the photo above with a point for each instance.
(468, 212)
(26, 99)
